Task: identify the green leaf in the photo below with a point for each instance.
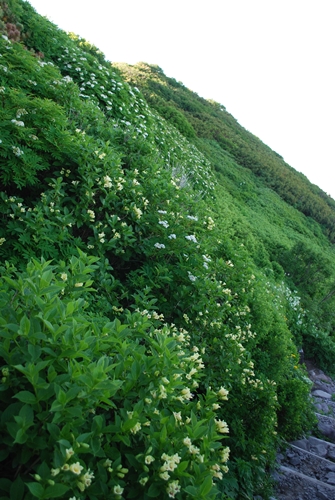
(132, 460)
(36, 489)
(24, 326)
(43, 470)
(47, 323)
(95, 445)
(70, 308)
(154, 491)
(136, 370)
(5, 484)
(206, 486)
(182, 466)
(61, 397)
(17, 489)
(21, 436)
(191, 490)
(41, 365)
(163, 434)
(27, 413)
(26, 397)
(13, 327)
(56, 491)
(34, 351)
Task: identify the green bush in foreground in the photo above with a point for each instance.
(97, 409)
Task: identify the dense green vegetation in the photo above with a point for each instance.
(157, 281)
(290, 219)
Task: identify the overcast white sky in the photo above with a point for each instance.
(269, 62)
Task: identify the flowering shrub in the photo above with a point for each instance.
(100, 409)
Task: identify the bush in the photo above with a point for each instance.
(94, 408)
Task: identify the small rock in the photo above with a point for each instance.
(317, 447)
(321, 496)
(330, 478)
(302, 443)
(326, 429)
(322, 376)
(321, 394)
(295, 461)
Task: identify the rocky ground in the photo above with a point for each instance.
(306, 469)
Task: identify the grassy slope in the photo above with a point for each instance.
(285, 212)
(228, 287)
(210, 120)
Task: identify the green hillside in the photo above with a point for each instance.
(160, 269)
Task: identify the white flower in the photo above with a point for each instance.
(177, 416)
(194, 450)
(159, 245)
(221, 426)
(17, 151)
(2, 241)
(136, 428)
(186, 394)
(191, 237)
(149, 459)
(76, 468)
(107, 182)
(224, 454)
(162, 211)
(138, 212)
(164, 223)
(187, 442)
(87, 478)
(21, 112)
(69, 452)
(191, 277)
(164, 475)
(223, 393)
(162, 392)
(173, 488)
(192, 217)
(172, 236)
(63, 276)
(117, 490)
